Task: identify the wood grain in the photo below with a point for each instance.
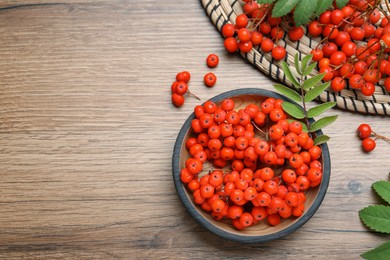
(87, 132)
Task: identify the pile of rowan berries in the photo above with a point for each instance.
(354, 41)
(262, 163)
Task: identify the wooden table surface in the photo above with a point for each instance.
(87, 131)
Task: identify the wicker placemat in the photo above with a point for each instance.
(226, 11)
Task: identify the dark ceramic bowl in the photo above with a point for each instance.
(261, 232)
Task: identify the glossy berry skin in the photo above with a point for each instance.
(231, 44)
(228, 30)
(364, 131)
(177, 100)
(278, 53)
(212, 60)
(210, 79)
(295, 33)
(368, 144)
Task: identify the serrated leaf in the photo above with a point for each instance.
(288, 92)
(383, 189)
(309, 69)
(376, 217)
(315, 92)
(311, 82)
(318, 110)
(304, 126)
(303, 11)
(381, 252)
(289, 75)
(341, 3)
(283, 7)
(265, 1)
(321, 123)
(296, 64)
(321, 139)
(323, 5)
(293, 110)
(305, 61)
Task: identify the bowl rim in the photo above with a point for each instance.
(214, 229)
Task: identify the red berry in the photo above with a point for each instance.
(231, 44)
(210, 79)
(177, 100)
(368, 144)
(228, 30)
(212, 60)
(364, 131)
(278, 53)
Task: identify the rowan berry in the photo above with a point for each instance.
(259, 213)
(298, 211)
(295, 33)
(337, 84)
(270, 187)
(315, 152)
(303, 182)
(246, 219)
(356, 81)
(195, 166)
(241, 21)
(267, 45)
(315, 28)
(296, 160)
(292, 199)
(235, 211)
(314, 174)
(364, 131)
(368, 144)
(231, 44)
(218, 205)
(256, 38)
(289, 176)
(276, 132)
(177, 100)
(207, 191)
(210, 79)
(279, 53)
(184, 76)
(317, 54)
(273, 219)
(228, 30)
(212, 60)
(186, 176)
(270, 157)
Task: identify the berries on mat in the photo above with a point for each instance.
(369, 137)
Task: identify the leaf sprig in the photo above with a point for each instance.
(377, 218)
(308, 90)
(303, 9)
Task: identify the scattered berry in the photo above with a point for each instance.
(212, 60)
(210, 79)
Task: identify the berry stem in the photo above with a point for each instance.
(304, 104)
(377, 136)
(192, 94)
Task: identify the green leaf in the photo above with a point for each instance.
(383, 189)
(318, 110)
(311, 82)
(265, 1)
(288, 92)
(283, 7)
(293, 110)
(381, 252)
(309, 69)
(321, 139)
(304, 10)
(289, 75)
(376, 217)
(304, 126)
(323, 5)
(305, 61)
(315, 92)
(296, 64)
(321, 123)
(341, 3)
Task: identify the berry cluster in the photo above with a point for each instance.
(180, 87)
(365, 133)
(354, 41)
(256, 27)
(262, 162)
(355, 46)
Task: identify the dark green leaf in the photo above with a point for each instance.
(305, 61)
(341, 3)
(304, 10)
(381, 252)
(296, 64)
(289, 75)
(311, 82)
(288, 92)
(309, 69)
(283, 7)
(323, 5)
(293, 110)
(321, 123)
(321, 139)
(315, 92)
(383, 189)
(265, 1)
(318, 110)
(376, 217)
(304, 126)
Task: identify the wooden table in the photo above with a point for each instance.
(87, 131)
